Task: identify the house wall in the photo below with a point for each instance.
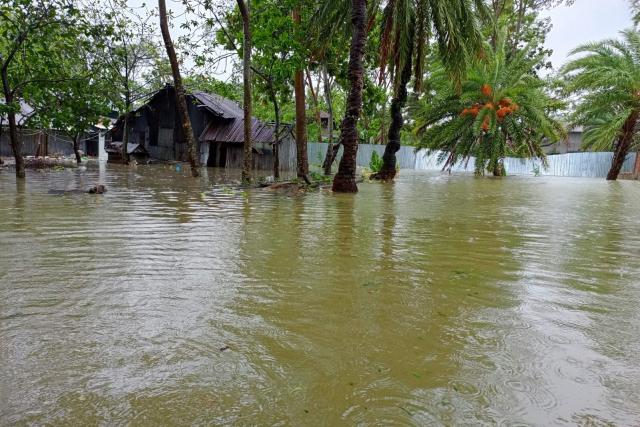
(572, 144)
(264, 161)
(157, 126)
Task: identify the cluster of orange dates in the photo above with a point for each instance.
(505, 107)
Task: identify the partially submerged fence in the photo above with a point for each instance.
(34, 142)
(595, 165)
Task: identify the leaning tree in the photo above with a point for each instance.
(606, 78)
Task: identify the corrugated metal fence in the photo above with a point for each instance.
(58, 144)
(406, 156)
(595, 165)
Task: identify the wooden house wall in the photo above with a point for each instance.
(264, 161)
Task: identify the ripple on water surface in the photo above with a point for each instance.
(438, 300)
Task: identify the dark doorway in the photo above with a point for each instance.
(217, 155)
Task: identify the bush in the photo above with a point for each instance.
(375, 164)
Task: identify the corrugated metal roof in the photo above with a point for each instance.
(233, 131)
(26, 111)
(222, 107)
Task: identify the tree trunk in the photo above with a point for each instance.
(125, 133)
(301, 116)
(329, 157)
(516, 36)
(16, 143)
(498, 168)
(622, 148)
(181, 102)
(276, 136)
(636, 165)
(316, 105)
(388, 170)
(1, 129)
(345, 179)
(247, 162)
(421, 43)
(76, 147)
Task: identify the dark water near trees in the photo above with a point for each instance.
(439, 300)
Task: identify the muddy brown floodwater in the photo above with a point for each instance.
(438, 300)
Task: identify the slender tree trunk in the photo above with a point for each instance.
(301, 116)
(276, 135)
(16, 143)
(622, 148)
(388, 170)
(421, 43)
(76, 147)
(636, 165)
(181, 102)
(1, 129)
(316, 105)
(345, 179)
(125, 131)
(516, 36)
(329, 157)
(246, 77)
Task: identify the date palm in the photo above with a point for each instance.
(501, 110)
(407, 26)
(606, 77)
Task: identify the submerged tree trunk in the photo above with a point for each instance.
(125, 134)
(16, 143)
(623, 146)
(329, 156)
(388, 170)
(301, 117)
(345, 179)
(181, 102)
(1, 124)
(276, 135)
(247, 162)
(76, 147)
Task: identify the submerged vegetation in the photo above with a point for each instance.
(474, 74)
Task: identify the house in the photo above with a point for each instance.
(573, 143)
(324, 125)
(218, 128)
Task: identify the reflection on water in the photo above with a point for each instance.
(439, 300)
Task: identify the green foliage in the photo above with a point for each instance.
(319, 177)
(502, 110)
(606, 76)
(375, 164)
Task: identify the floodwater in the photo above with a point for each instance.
(438, 300)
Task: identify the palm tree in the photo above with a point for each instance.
(406, 28)
(607, 76)
(345, 179)
(501, 110)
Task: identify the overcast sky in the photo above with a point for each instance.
(585, 21)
